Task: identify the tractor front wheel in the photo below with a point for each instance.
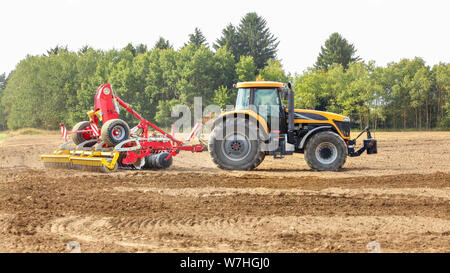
(115, 131)
(326, 151)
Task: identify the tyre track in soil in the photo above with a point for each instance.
(45, 209)
(369, 193)
(234, 234)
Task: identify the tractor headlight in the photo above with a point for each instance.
(344, 126)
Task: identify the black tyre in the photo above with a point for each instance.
(326, 151)
(158, 161)
(148, 162)
(115, 131)
(233, 146)
(162, 162)
(79, 138)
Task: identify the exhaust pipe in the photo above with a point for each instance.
(291, 114)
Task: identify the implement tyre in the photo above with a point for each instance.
(235, 147)
(79, 138)
(326, 151)
(115, 131)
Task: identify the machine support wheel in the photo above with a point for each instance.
(161, 161)
(79, 138)
(326, 151)
(115, 131)
(233, 146)
(158, 161)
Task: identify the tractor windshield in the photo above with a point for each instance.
(243, 99)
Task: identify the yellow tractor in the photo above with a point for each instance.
(261, 125)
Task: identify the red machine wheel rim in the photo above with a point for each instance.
(86, 135)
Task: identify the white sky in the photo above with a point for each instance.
(381, 30)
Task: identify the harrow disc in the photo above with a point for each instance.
(162, 162)
(158, 161)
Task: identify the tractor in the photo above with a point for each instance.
(260, 125)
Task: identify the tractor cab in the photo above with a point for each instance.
(264, 98)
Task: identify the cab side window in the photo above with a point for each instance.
(265, 98)
(267, 104)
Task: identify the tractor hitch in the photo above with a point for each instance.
(369, 144)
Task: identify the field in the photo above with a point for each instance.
(399, 198)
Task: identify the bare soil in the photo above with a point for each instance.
(399, 198)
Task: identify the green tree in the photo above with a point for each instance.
(131, 49)
(40, 91)
(196, 74)
(441, 85)
(161, 79)
(246, 69)
(223, 97)
(164, 111)
(162, 44)
(56, 50)
(141, 49)
(310, 88)
(230, 40)
(336, 50)
(3, 81)
(89, 79)
(420, 94)
(84, 49)
(256, 40)
(273, 72)
(387, 77)
(316, 89)
(197, 38)
(355, 92)
(405, 96)
(224, 68)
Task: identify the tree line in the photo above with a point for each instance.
(404, 94)
(59, 86)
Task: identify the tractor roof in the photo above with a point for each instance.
(259, 84)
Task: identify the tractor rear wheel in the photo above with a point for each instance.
(79, 138)
(234, 147)
(326, 151)
(115, 131)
